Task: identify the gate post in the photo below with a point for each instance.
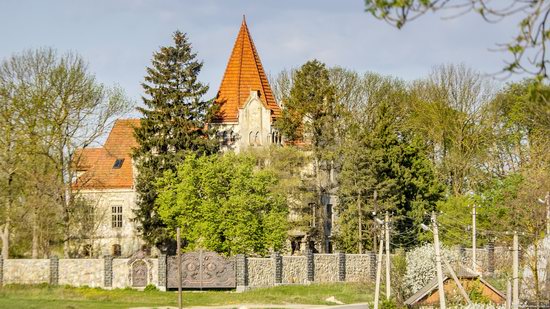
(54, 270)
(278, 267)
(310, 266)
(372, 265)
(341, 266)
(241, 265)
(162, 272)
(108, 271)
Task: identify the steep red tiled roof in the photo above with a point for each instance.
(244, 73)
(97, 163)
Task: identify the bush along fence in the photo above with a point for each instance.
(210, 270)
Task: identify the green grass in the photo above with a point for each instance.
(64, 297)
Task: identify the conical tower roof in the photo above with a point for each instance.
(243, 74)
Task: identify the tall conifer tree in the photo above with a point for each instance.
(173, 125)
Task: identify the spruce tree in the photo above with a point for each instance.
(381, 154)
(173, 125)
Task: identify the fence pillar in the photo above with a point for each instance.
(242, 272)
(490, 257)
(310, 265)
(108, 271)
(341, 266)
(278, 266)
(1, 270)
(462, 252)
(372, 265)
(162, 272)
(54, 270)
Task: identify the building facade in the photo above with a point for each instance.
(245, 120)
(247, 107)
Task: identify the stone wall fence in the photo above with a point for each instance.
(251, 272)
(107, 272)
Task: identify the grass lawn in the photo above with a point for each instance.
(63, 297)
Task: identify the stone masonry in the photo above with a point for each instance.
(108, 271)
(251, 272)
(242, 272)
(54, 270)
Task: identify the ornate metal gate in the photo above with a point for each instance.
(139, 273)
(202, 269)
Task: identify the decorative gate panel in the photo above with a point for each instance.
(139, 273)
(202, 270)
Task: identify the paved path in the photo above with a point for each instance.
(264, 306)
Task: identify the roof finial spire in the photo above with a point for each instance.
(244, 19)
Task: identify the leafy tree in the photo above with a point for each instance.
(223, 203)
(381, 155)
(450, 110)
(310, 106)
(521, 117)
(528, 47)
(310, 118)
(291, 166)
(59, 107)
(173, 125)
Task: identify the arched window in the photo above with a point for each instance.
(273, 137)
(146, 249)
(224, 138)
(87, 250)
(117, 250)
(257, 139)
(231, 137)
(251, 138)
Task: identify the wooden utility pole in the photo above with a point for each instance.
(180, 279)
(360, 213)
(547, 200)
(515, 272)
(508, 294)
(378, 274)
(375, 206)
(440, 286)
(474, 245)
(388, 265)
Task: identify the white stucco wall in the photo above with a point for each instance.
(105, 235)
(254, 119)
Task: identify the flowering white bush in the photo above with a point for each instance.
(421, 266)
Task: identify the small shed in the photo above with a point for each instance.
(429, 294)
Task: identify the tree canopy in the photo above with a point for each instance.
(528, 47)
(173, 125)
(225, 204)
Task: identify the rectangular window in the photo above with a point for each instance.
(328, 221)
(116, 216)
(313, 207)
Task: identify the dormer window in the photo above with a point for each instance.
(118, 163)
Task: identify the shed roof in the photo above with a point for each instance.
(462, 273)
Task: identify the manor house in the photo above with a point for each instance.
(106, 175)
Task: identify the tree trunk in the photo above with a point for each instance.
(6, 238)
(66, 199)
(35, 233)
(6, 232)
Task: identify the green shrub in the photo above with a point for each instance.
(475, 294)
(388, 304)
(150, 288)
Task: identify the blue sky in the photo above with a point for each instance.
(118, 37)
